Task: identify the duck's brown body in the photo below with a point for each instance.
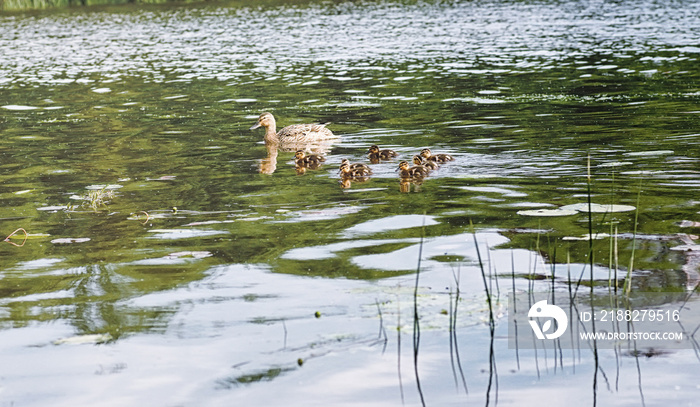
(296, 133)
(420, 161)
(375, 154)
(440, 158)
(347, 171)
(356, 166)
(311, 160)
(406, 171)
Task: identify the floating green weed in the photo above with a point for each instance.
(97, 198)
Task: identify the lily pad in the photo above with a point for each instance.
(69, 240)
(98, 187)
(687, 248)
(209, 222)
(596, 236)
(548, 212)
(190, 254)
(19, 107)
(83, 339)
(176, 258)
(598, 208)
(170, 234)
(649, 153)
(52, 208)
(615, 164)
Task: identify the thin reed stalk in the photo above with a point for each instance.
(515, 325)
(453, 331)
(398, 343)
(628, 277)
(590, 262)
(416, 323)
(492, 322)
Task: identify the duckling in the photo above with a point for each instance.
(311, 160)
(441, 158)
(411, 172)
(355, 166)
(347, 172)
(291, 134)
(418, 160)
(375, 154)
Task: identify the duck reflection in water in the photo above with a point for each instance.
(346, 183)
(268, 165)
(405, 184)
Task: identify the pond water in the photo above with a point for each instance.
(171, 258)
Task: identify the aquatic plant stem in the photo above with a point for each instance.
(515, 325)
(592, 281)
(284, 326)
(617, 264)
(382, 330)
(398, 342)
(590, 223)
(613, 236)
(416, 323)
(26, 236)
(492, 323)
(628, 277)
(453, 331)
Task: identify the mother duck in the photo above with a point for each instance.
(296, 133)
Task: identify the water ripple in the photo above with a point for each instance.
(342, 41)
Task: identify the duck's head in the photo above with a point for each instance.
(374, 149)
(403, 165)
(345, 166)
(426, 152)
(344, 161)
(265, 120)
(299, 154)
(418, 160)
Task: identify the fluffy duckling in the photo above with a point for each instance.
(440, 158)
(375, 154)
(419, 160)
(346, 171)
(311, 160)
(355, 166)
(295, 133)
(405, 171)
